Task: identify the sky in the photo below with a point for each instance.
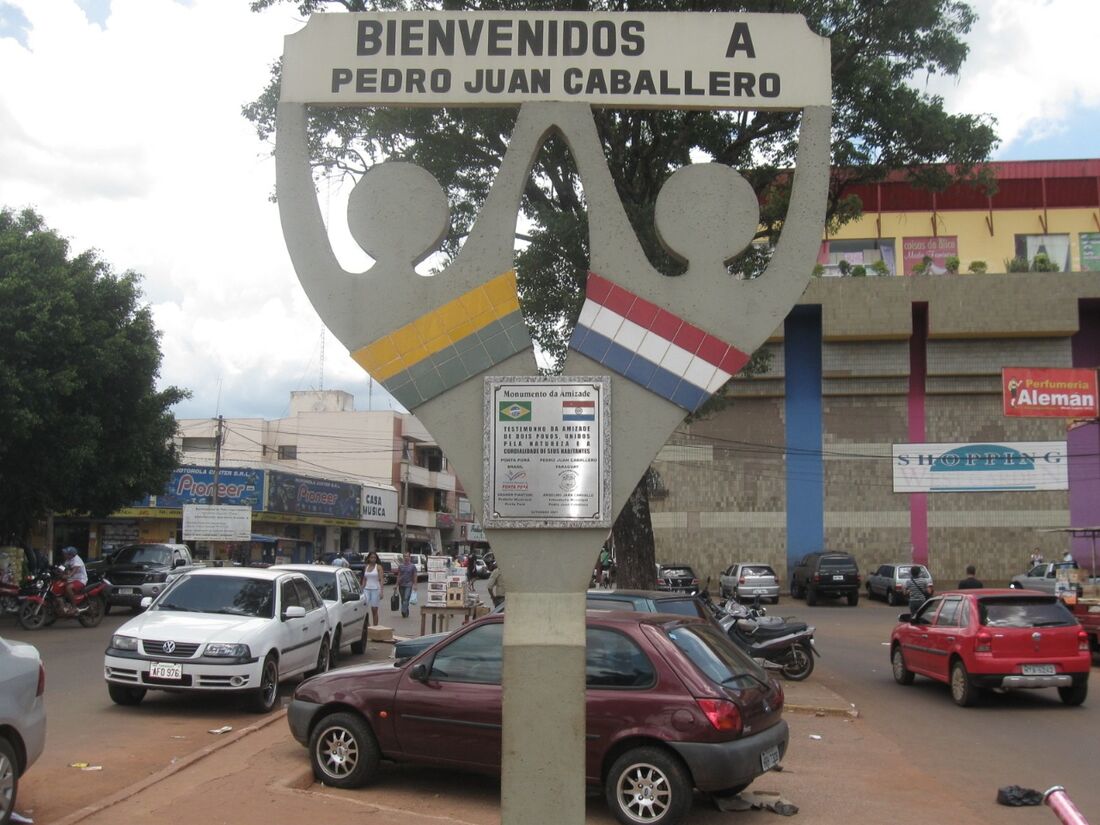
(120, 124)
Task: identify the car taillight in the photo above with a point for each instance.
(42, 677)
(817, 577)
(741, 580)
(723, 714)
(1082, 640)
(983, 642)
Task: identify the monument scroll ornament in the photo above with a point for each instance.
(647, 349)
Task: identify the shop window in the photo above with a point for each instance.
(199, 445)
(1054, 248)
(840, 257)
(288, 452)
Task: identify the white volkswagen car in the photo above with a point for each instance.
(22, 718)
(233, 629)
(347, 614)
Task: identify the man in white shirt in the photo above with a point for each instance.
(340, 561)
(76, 574)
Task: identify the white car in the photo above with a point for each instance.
(226, 630)
(347, 614)
(22, 717)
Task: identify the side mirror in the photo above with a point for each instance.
(146, 601)
(905, 617)
(420, 673)
(179, 563)
(295, 611)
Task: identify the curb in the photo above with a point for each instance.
(169, 770)
(816, 710)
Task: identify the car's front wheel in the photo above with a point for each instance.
(9, 780)
(902, 674)
(262, 700)
(648, 786)
(123, 695)
(343, 751)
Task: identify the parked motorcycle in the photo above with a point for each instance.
(771, 639)
(9, 598)
(43, 601)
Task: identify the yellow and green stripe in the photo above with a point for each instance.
(449, 345)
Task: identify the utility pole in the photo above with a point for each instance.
(217, 456)
(404, 496)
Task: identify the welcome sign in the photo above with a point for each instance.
(982, 467)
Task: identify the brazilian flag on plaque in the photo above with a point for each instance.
(514, 411)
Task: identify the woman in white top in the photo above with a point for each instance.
(372, 585)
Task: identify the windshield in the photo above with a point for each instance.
(714, 655)
(1023, 611)
(235, 596)
(143, 555)
(324, 581)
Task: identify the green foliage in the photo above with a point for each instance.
(924, 267)
(1042, 263)
(952, 264)
(1017, 264)
(844, 266)
(819, 270)
(977, 267)
(85, 429)
(880, 268)
(859, 271)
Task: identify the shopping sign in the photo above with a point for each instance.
(1049, 393)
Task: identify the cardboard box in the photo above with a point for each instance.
(456, 597)
(436, 600)
(378, 633)
(456, 581)
(434, 586)
(438, 563)
(438, 576)
(481, 610)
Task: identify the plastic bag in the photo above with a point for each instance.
(1015, 796)
(412, 598)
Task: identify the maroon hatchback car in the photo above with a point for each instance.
(672, 706)
(979, 639)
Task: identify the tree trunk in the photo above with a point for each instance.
(632, 535)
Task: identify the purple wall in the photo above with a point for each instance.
(1083, 442)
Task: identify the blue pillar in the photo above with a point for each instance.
(805, 470)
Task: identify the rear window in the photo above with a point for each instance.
(757, 570)
(1023, 611)
(677, 572)
(837, 561)
(715, 655)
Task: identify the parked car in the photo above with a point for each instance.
(342, 595)
(889, 581)
(825, 573)
(672, 704)
(22, 718)
(390, 562)
(421, 562)
(238, 630)
(677, 578)
(1042, 577)
(748, 580)
(138, 571)
(997, 638)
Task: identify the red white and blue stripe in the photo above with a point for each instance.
(652, 347)
(578, 410)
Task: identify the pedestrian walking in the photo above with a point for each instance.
(604, 567)
(406, 581)
(1036, 557)
(915, 590)
(971, 581)
(372, 585)
(496, 587)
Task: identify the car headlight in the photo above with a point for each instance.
(156, 577)
(124, 642)
(227, 650)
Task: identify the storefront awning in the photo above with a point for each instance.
(260, 538)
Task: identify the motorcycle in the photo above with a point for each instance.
(43, 601)
(9, 597)
(790, 645)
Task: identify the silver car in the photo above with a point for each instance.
(22, 717)
(747, 580)
(889, 580)
(1042, 577)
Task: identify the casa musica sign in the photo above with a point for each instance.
(490, 58)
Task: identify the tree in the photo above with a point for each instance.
(881, 125)
(84, 429)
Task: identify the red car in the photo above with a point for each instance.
(672, 706)
(979, 639)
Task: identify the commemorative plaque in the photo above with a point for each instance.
(547, 447)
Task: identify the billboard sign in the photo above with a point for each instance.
(1049, 393)
(379, 504)
(240, 486)
(217, 522)
(313, 496)
(937, 248)
(982, 467)
(1090, 251)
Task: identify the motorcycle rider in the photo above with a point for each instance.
(76, 576)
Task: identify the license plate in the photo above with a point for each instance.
(1038, 670)
(769, 758)
(760, 590)
(164, 670)
(837, 578)
(125, 591)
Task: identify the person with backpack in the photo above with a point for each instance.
(915, 590)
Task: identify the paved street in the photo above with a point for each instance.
(911, 747)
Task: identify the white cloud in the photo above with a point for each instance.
(1031, 65)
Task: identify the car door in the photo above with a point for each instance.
(943, 635)
(453, 716)
(882, 580)
(317, 621)
(915, 638)
(289, 632)
(728, 579)
(352, 610)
